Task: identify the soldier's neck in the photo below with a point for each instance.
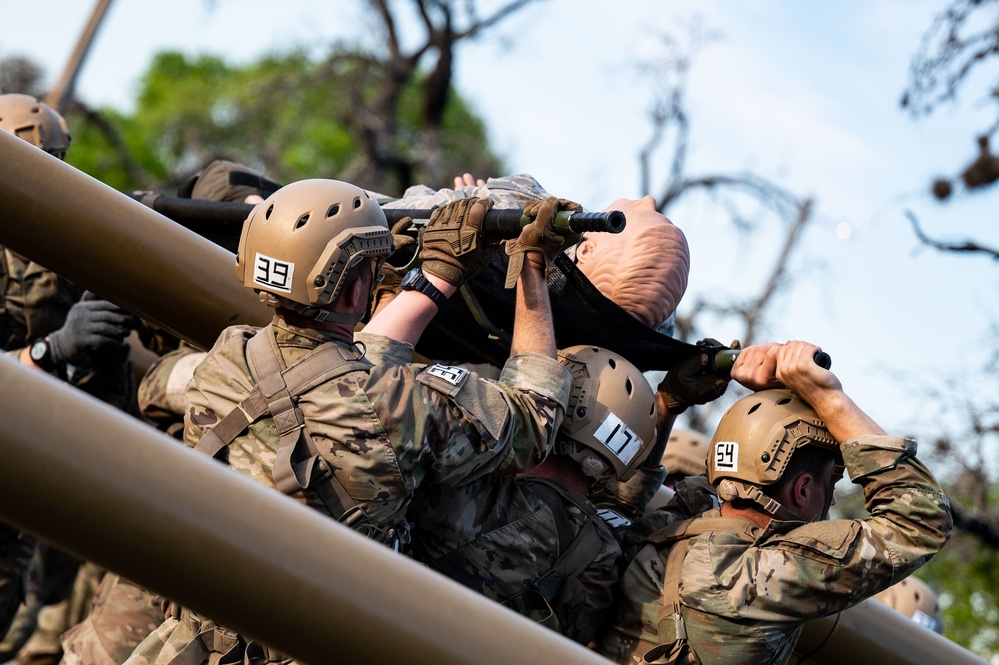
(563, 470)
(761, 518)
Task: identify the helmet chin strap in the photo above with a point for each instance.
(729, 489)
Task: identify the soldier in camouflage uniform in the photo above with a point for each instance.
(535, 542)
(351, 428)
(50, 323)
(735, 584)
(123, 613)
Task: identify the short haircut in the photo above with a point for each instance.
(805, 459)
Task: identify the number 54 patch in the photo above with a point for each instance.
(727, 456)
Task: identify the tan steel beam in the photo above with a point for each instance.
(103, 485)
(118, 248)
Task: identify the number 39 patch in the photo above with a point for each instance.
(727, 456)
(273, 273)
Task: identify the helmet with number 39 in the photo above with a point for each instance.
(299, 244)
(610, 423)
(755, 439)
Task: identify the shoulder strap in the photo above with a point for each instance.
(564, 598)
(298, 464)
(673, 646)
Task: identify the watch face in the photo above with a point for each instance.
(38, 350)
(411, 278)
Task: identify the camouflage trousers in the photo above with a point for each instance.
(121, 616)
(184, 638)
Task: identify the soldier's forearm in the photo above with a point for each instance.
(408, 315)
(532, 325)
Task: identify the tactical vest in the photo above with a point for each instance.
(557, 598)
(298, 466)
(674, 649)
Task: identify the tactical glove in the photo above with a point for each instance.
(452, 246)
(400, 238)
(540, 235)
(693, 380)
(92, 327)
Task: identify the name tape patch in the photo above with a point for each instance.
(273, 273)
(453, 375)
(727, 456)
(620, 440)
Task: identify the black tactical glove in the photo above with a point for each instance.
(92, 327)
(452, 246)
(693, 380)
(540, 235)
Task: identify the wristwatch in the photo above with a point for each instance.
(41, 354)
(415, 280)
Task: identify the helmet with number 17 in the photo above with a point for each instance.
(610, 423)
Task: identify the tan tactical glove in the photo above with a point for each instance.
(540, 235)
(452, 246)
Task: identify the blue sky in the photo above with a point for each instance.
(805, 93)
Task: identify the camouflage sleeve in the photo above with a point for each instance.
(825, 567)
(471, 426)
(161, 393)
(219, 383)
(16, 549)
(381, 350)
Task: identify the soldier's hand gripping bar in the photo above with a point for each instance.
(723, 360)
(507, 222)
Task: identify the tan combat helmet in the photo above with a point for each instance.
(754, 442)
(35, 122)
(610, 422)
(915, 599)
(298, 245)
(686, 453)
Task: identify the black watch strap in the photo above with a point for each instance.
(415, 280)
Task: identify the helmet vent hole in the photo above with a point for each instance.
(334, 209)
(357, 203)
(302, 220)
(783, 401)
(754, 408)
(628, 387)
(610, 361)
(270, 209)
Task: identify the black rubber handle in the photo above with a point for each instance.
(724, 360)
(507, 222)
(197, 215)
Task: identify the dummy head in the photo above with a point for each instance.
(644, 268)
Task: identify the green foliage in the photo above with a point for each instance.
(966, 575)
(285, 115)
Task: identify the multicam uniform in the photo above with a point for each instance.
(744, 592)
(383, 430)
(501, 537)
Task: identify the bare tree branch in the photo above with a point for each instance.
(966, 246)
